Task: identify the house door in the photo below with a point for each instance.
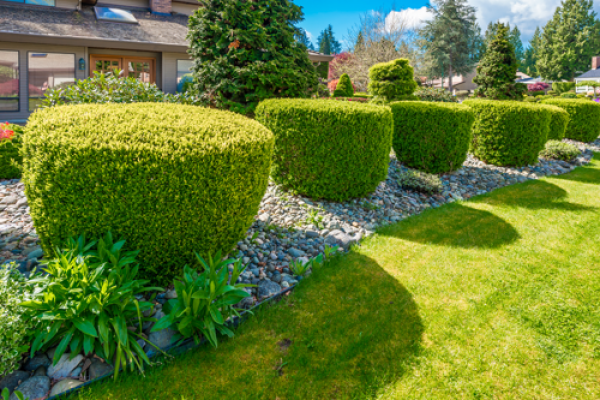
(140, 68)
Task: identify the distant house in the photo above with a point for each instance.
(460, 82)
(591, 75)
(50, 43)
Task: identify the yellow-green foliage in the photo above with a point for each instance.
(328, 149)
(392, 80)
(432, 137)
(584, 123)
(344, 87)
(508, 133)
(170, 179)
(558, 123)
(10, 159)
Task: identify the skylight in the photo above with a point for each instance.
(112, 14)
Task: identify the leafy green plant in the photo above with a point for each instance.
(10, 143)
(87, 302)
(557, 150)
(318, 143)
(205, 300)
(313, 218)
(330, 250)
(129, 168)
(419, 181)
(369, 206)
(15, 326)
(301, 268)
(436, 95)
(111, 87)
(391, 80)
(18, 395)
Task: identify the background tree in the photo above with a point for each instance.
(514, 37)
(448, 40)
(302, 38)
(531, 54)
(245, 52)
(569, 41)
(497, 70)
(327, 42)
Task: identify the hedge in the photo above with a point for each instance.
(432, 137)
(334, 150)
(558, 122)
(10, 159)
(170, 179)
(584, 123)
(508, 133)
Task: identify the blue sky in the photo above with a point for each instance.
(344, 14)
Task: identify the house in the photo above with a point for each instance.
(591, 75)
(49, 43)
(465, 82)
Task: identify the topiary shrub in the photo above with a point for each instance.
(558, 122)
(551, 93)
(508, 133)
(438, 95)
(335, 150)
(584, 122)
(344, 87)
(10, 143)
(170, 179)
(432, 137)
(392, 79)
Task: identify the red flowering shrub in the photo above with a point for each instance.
(536, 87)
(10, 159)
(337, 62)
(6, 133)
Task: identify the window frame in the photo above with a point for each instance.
(18, 110)
(177, 70)
(47, 52)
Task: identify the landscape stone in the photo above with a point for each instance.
(98, 369)
(64, 367)
(33, 388)
(11, 381)
(64, 385)
(161, 339)
(40, 360)
(267, 289)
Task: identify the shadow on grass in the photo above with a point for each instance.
(583, 174)
(535, 195)
(456, 225)
(346, 332)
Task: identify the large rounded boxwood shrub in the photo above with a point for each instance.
(508, 133)
(432, 137)
(170, 179)
(558, 122)
(584, 122)
(328, 149)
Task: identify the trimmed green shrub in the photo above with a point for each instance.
(569, 95)
(344, 87)
(537, 93)
(335, 150)
(432, 137)
(551, 93)
(584, 122)
(392, 79)
(508, 133)
(10, 143)
(171, 179)
(557, 150)
(363, 95)
(562, 87)
(558, 122)
(439, 95)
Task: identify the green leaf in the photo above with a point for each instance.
(86, 326)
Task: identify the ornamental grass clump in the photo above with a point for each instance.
(508, 133)
(334, 150)
(432, 137)
(10, 159)
(172, 179)
(557, 150)
(584, 118)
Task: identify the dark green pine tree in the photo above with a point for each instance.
(245, 52)
(327, 42)
(302, 38)
(569, 41)
(497, 70)
(530, 58)
(515, 39)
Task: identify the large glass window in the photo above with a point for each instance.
(35, 2)
(9, 80)
(48, 70)
(184, 68)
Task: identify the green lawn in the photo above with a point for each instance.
(496, 298)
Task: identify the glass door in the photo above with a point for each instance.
(138, 67)
(142, 69)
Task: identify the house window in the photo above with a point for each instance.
(48, 70)
(9, 80)
(184, 67)
(35, 2)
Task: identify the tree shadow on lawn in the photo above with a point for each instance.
(583, 174)
(534, 195)
(455, 225)
(346, 332)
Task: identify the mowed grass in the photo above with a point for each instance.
(495, 298)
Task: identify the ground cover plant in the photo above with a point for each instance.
(584, 118)
(432, 137)
(335, 150)
(557, 150)
(172, 179)
(508, 133)
(10, 159)
(484, 299)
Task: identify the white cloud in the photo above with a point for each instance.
(414, 17)
(309, 35)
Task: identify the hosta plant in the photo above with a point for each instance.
(88, 302)
(205, 300)
(419, 181)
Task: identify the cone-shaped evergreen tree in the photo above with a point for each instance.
(344, 87)
(497, 70)
(246, 51)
